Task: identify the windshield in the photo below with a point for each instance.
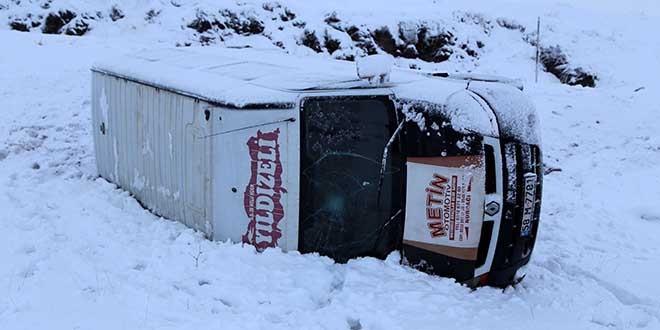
(351, 177)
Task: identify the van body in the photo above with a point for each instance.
(296, 153)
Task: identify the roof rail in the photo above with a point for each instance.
(517, 83)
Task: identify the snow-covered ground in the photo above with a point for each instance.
(77, 253)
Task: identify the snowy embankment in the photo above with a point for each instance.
(79, 254)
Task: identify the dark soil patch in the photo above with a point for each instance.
(555, 61)
(310, 40)
(331, 44)
(55, 21)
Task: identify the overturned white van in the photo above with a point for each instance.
(299, 153)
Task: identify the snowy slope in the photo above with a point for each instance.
(76, 253)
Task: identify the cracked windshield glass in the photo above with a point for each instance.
(351, 172)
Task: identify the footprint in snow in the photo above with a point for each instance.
(28, 271)
(354, 324)
(27, 249)
(139, 266)
(651, 217)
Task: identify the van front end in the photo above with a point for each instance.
(447, 184)
(474, 217)
(472, 213)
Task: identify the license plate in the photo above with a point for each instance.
(528, 207)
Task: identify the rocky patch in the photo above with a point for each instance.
(25, 23)
(116, 13)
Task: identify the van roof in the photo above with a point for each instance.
(240, 77)
(246, 78)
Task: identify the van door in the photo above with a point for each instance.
(351, 177)
(445, 189)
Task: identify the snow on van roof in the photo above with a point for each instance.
(191, 73)
(249, 78)
(240, 77)
(516, 114)
(233, 77)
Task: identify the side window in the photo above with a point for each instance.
(429, 133)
